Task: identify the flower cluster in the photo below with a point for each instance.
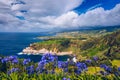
(12, 59)
(49, 64)
(30, 69)
(81, 67)
(49, 58)
(13, 70)
(106, 68)
(26, 61)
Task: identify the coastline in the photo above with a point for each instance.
(30, 51)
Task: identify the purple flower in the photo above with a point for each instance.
(66, 78)
(65, 69)
(6, 59)
(95, 58)
(118, 68)
(103, 65)
(80, 67)
(88, 61)
(40, 67)
(41, 64)
(62, 64)
(26, 61)
(11, 58)
(106, 68)
(15, 61)
(103, 73)
(49, 58)
(13, 70)
(30, 69)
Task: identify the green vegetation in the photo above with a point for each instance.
(49, 68)
(58, 44)
(84, 44)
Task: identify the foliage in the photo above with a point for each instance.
(49, 68)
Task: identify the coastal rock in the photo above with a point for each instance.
(30, 50)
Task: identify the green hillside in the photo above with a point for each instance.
(107, 44)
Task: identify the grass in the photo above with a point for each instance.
(93, 70)
(116, 63)
(51, 42)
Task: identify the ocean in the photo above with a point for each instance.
(14, 43)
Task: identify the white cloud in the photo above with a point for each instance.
(35, 11)
(95, 17)
(45, 15)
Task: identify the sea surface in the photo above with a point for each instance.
(14, 43)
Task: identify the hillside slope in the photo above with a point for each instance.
(108, 45)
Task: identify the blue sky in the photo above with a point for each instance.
(106, 4)
(44, 15)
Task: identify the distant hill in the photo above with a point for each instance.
(108, 45)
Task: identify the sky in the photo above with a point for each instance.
(53, 15)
